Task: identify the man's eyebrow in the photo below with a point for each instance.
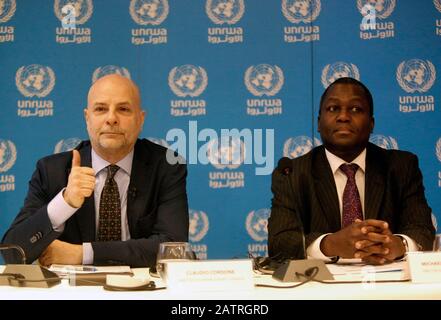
(124, 103)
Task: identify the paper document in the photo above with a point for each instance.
(360, 272)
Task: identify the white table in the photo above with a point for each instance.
(309, 291)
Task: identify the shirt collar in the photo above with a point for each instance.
(99, 163)
(335, 162)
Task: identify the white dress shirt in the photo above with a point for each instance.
(340, 179)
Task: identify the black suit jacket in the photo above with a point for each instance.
(157, 209)
(394, 192)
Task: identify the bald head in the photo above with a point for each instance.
(115, 80)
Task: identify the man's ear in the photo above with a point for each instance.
(372, 124)
(318, 123)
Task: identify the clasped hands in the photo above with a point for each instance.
(370, 240)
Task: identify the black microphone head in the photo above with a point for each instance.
(284, 166)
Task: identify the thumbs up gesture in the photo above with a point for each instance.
(80, 184)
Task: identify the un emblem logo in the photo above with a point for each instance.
(225, 11)
(384, 142)
(416, 75)
(332, 72)
(83, 9)
(438, 149)
(298, 146)
(159, 141)
(35, 80)
(198, 225)
(301, 10)
(383, 8)
(437, 4)
(229, 153)
(187, 80)
(66, 145)
(7, 10)
(151, 12)
(109, 69)
(264, 79)
(257, 224)
(8, 155)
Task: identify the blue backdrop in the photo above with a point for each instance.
(218, 64)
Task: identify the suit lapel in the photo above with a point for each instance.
(326, 190)
(140, 182)
(85, 216)
(375, 184)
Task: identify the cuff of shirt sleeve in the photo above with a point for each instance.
(59, 211)
(411, 244)
(314, 251)
(87, 253)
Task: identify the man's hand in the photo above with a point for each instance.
(61, 252)
(380, 248)
(343, 242)
(80, 184)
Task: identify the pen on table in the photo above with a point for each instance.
(86, 268)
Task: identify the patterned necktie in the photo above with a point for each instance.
(351, 197)
(109, 225)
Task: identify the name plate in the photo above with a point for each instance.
(424, 266)
(211, 275)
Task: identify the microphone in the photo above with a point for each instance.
(132, 192)
(298, 270)
(26, 275)
(285, 167)
(16, 247)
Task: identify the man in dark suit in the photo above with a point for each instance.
(112, 200)
(348, 197)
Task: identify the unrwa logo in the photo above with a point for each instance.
(66, 145)
(384, 142)
(264, 79)
(82, 9)
(383, 8)
(225, 11)
(198, 225)
(188, 80)
(298, 146)
(35, 80)
(416, 75)
(438, 149)
(146, 12)
(7, 10)
(301, 10)
(339, 69)
(109, 69)
(8, 155)
(229, 152)
(257, 224)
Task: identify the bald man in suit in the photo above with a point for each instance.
(66, 217)
(385, 213)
